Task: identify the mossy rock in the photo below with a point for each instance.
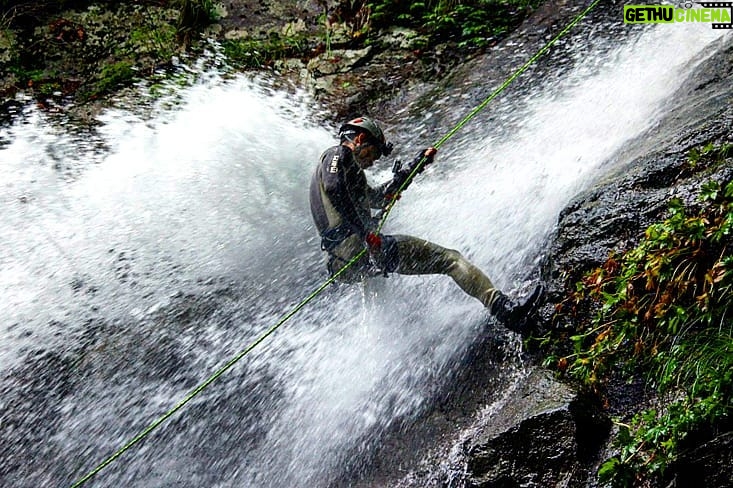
(89, 51)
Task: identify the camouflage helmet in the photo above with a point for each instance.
(370, 127)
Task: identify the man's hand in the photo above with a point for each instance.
(401, 175)
(428, 155)
(373, 242)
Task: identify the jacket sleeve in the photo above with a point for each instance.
(375, 196)
(360, 194)
(347, 189)
(381, 196)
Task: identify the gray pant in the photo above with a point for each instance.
(412, 256)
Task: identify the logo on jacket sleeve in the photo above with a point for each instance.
(334, 167)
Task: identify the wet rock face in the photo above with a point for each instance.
(505, 459)
(560, 446)
(613, 215)
(544, 434)
(28, 409)
(710, 462)
(544, 429)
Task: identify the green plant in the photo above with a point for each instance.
(157, 40)
(709, 153)
(661, 310)
(6, 17)
(194, 14)
(114, 75)
(257, 53)
(470, 23)
(702, 366)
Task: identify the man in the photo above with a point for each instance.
(342, 201)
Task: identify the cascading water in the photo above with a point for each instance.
(137, 262)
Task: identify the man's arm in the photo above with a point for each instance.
(346, 187)
(385, 193)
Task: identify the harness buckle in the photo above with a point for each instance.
(330, 238)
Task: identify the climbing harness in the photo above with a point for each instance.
(330, 238)
(415, 170)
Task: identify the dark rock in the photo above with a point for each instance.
(542, 427)
(543, 434)
(710, 464)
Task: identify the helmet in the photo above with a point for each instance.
(370, 127)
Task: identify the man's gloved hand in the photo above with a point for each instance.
(373, 242)
(401, 175)
(428, 154)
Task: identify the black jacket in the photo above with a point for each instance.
(340, 197)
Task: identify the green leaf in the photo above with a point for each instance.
(608, 470)
(709, 190)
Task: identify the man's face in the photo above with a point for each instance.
(366, 153)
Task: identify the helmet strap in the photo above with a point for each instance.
(348, 135)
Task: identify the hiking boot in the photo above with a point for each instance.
(513, 314)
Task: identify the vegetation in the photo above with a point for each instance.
(470, 23)
(467, 23)
(79, 47)
(661, 311)
(258, 53)
(193, 15)
(114, 75)
(87, 49)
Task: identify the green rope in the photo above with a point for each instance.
(483, 105)
(334, 277)
(217, 374)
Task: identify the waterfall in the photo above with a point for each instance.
(139, 258)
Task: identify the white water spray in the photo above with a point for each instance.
(217, 189)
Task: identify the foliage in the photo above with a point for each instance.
(89, 50)
(72, 40)
(194, 14)
(154, 39)
(661, 309)
(700, 364)
(256, 53)
(114, 75)
(471, 23)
